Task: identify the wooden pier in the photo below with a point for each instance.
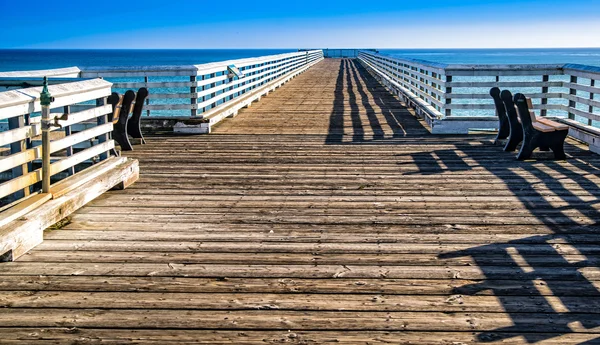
(325, 213)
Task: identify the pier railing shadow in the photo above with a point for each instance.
(376, 116)
(553, 270)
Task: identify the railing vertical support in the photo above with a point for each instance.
(448, 100)
(19, 146)
(545, 89)
(591, 108)
(45, 100)
(193, 99)
(100, 121)
(572, 104)
(69, 150)
(147, 98)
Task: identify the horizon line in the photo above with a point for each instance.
(287, 48)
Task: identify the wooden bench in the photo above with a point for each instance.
(503, 122)
(123, 105)
(516, 129)
(539, 132)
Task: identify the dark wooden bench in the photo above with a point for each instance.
(503, 123)
(539, 132)
(516, 129)
(123, 125)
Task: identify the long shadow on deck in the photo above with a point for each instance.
(561, 298)
(386, 117)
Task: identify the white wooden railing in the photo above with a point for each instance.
(455, 98)
(21, 159)
(203, 93)
(54, 159)
(196, 89)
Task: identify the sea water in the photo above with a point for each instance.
(34, 59)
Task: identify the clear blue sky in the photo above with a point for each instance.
(298, 24)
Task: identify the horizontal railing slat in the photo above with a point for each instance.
(19, 183)
(14, 135)
(61, 144)
(67, 162)
(20, 158)
(504, 84)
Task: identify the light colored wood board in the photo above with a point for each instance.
(348, 219)
(493, 259)
(320, 236)
(102, 225)
(67, 162)
(23, 208)
(64, 94)
(11, 136)
(449, 287)
(322, 248)
(61, 335)
(292, 302)
(68, 72)
(88, 134)
(20, 182)
(65, 186)
(298, 271)
(285, 320)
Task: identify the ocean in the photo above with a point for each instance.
(25, 59)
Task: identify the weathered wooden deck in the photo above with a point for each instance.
(324, 213)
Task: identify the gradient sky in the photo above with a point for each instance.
(300, 24)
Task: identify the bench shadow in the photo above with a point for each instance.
(552, 270)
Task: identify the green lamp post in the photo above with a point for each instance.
(45, 100)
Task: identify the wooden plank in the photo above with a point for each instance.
(401, 287)
(11, 136)
(27, 100)
(20, 182)
(67, 162)
(69, 72)
(282, 320)
(62, 335)
(291, 302)
(23, 208)
(88, 134)
(163, 255)
(300, 271)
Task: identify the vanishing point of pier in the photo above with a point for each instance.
(327, 212)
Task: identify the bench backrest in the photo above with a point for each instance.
(500, 107)
(509, 105)
(523, 110)
(122, 105)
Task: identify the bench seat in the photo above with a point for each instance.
(557, 126)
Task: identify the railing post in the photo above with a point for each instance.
(147, 98)
(69, 150)
(45, 100)
(193, 99)
(16, 147)
(448, 100)
(545, 89)
(100, 121)
(572, 104)
(591, 108)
